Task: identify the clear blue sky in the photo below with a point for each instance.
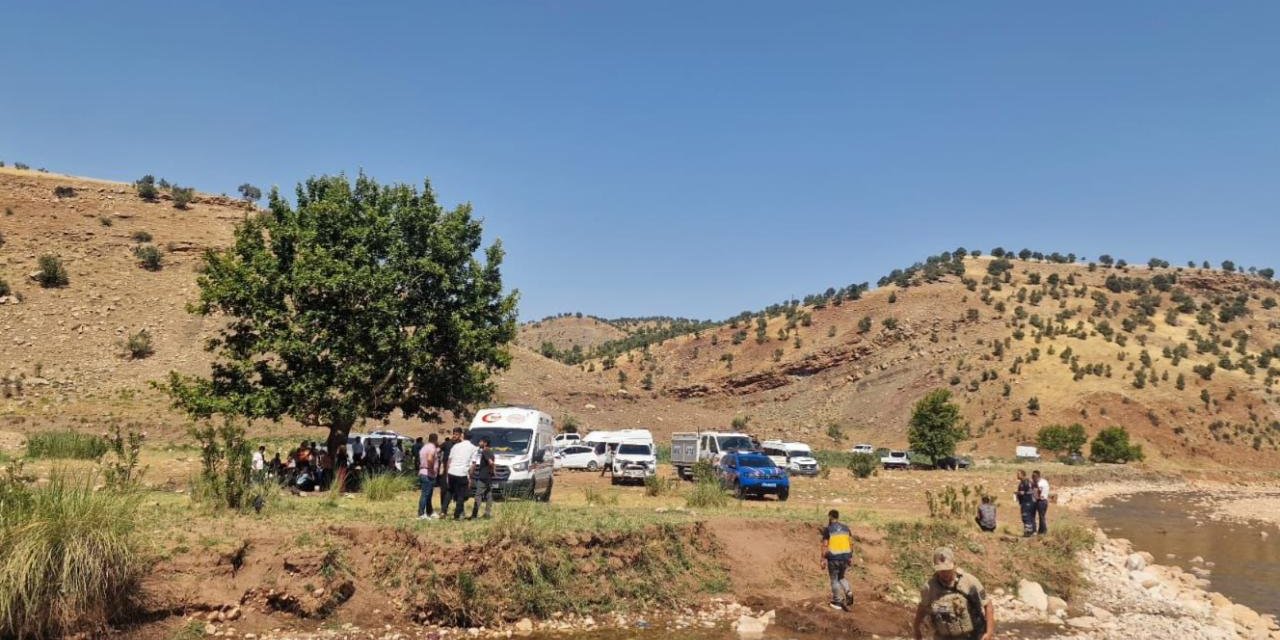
(697, 158)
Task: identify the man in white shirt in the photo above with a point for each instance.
(1042, 501)
(459, 466)
(260, 463)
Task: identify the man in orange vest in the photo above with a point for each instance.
(837, 553)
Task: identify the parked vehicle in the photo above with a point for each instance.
(687, 448)
(953, 463)
(579, 456)
(521, 439)
(566, 439)
(796, 457)
(863, 448)
(1027, 453)
(635, 459)
(753, 473)
(373, 439)
(896, 460)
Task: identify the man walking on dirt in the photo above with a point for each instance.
(837, 553)
(1042, 501)
(954, 602)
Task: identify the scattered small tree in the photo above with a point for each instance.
(249, 192)
(146, 187)
(141, 236)
(863, 465)
(935, 425)
(864, 325)
(1112, 445)
(1062, 439)
(183, 196)
(63, 191)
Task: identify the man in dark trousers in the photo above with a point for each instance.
(837, 553)
(442, 475)
(461, 459)
(483, 474)
(1026, 504)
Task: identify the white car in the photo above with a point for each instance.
(863, 448)
(579, 456)
(634, 460)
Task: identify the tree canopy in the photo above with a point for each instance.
(935, 426)
(361, 301)
(1062, 439)
(1112, 445)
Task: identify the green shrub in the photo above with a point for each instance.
(122, 472)
(149, 257)
(69, 556)
(63, 191)
(105, 221)
(65, 445)
(707, 493)
(1112, 445)
(138, 345)
(183, 196)
(146, 187)
(225, 458)
(863, 465)
(380, 487)
(703, 471)
(141, 236)
(52, 273)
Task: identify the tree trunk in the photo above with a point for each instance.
(338, 439)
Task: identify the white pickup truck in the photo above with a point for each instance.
(896, 460)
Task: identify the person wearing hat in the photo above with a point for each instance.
(954, 602)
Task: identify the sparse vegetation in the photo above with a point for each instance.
(149, 257)
(52, 274)
(249, 192)
(1112, 445)
(380, 487)
(67, 445)
(183, 196)
(146, 188)
(138, 345)
(141, 236)
(64, 192)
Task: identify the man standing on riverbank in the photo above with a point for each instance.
(427, 477)
(837, 553)
(1026, 504)
(955, 603)
(1042, 501)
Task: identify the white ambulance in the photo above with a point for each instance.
(522, 439)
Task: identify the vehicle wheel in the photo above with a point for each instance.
(784, 494)
(738, 491)
(592, 466)
(613, 480)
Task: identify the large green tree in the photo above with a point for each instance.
(935, 426)
(359, 302)
(1062, 439)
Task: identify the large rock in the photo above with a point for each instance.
(1057, 606)
(1144, 578)
(1032, 595)
(1135, 562)
(750, 627)
(524, 627)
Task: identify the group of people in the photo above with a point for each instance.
(953, 600)
(461, 469)
(1033, 504)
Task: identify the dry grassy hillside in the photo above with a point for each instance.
(566, 332)
(1043, 331)
(62, 359)
(1051, 345)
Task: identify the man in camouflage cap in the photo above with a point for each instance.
(954, 602)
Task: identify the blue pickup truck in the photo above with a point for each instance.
(752, 473)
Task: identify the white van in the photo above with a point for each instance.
(795, 457)
(688, 448)
(521, 438)
(1027, 452)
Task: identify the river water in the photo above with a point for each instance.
(1245, 566)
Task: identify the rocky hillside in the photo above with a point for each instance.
(1185, 358)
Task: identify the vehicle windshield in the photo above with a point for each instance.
(502, 439)
(634, 450)
(800, 453)
(739, 443)
(760, 462)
